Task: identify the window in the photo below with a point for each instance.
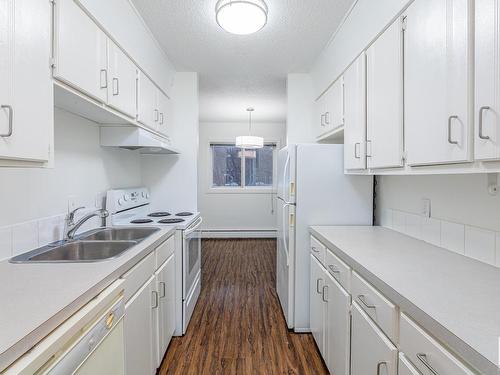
(234, 167)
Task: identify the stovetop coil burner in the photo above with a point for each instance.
(159, 214)
(184, 214)
(170, 221)
(141, 221)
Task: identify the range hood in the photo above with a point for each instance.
(135, 138)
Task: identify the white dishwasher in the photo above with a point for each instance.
(89, 343)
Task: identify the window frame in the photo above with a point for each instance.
(243, 189)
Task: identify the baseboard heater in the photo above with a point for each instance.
(239, 234)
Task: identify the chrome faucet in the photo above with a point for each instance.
(71, 227)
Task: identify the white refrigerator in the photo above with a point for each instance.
(312, 189)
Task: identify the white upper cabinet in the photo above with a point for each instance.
(355, 115)
(80, 51)
(147, 111)
(26, 92)
(384, 61)
(487, 66)
(438, 82)
(122, 81)
(330, 109)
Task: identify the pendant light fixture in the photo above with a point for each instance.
(241, 17)
(249, 141)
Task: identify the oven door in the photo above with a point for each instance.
(191, 256)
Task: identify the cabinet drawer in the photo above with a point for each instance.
(338, 269)
(371, 350)
(318, 250)
(164, 251)
(138, 275)
(405, 367)
(380, 309)
(428, 356)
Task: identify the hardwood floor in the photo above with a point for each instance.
(237, 326)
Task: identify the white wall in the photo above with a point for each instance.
(173, 178)
(366, 21)
(135, 38)
(234, 211)
(300, 98)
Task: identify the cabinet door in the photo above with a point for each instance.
(337, 327)
(384, 61)
(26, 89)
(487, 66)
(165, 115)
(334, 115)
(147, 111)
(355, 115)
(371, 351)
(320, 115)
(165, 278)
(80, 50)
(139, 325)
(122, 85)
(437, 53)
(316, 305)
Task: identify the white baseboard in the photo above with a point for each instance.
(302, 330)
(238, 234)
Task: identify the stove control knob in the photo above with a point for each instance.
(147, 195)
(121, 202)
(126, 197)
(143, 194)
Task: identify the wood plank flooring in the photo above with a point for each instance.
(237, 326)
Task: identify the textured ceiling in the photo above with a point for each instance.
(240, 71)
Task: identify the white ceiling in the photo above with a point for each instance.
(240, 71)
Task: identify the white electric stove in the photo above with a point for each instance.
(132, 207)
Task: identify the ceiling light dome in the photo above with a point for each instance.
(241, 17)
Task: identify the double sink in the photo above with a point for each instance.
(93, 246)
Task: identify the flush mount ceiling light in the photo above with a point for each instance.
(241, 17)
(249, 141)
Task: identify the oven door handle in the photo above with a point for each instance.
(197, 224)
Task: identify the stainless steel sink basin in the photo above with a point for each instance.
(76, 252)
(118, 234)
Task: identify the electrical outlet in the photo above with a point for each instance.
(426, 208)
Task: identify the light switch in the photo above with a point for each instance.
(426, 208)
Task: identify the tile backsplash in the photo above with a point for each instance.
(23, 237)
(473, 242)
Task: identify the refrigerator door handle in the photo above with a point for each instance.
(285, 183)
(286, 226)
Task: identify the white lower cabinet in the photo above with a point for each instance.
(337, 327)
(165, 284)
(371, 351)
(140, 352)
(316, 303)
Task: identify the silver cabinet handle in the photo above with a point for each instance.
(317, 285)
(327, 118)
(481, 111)
(379, 366)
(116, 86)
(161, 118)
(323, 119)
(156, 115)
(362, 299)
(423, 358)
(104, 78)
(11, 117)
(368, 155)
(356, 155)
(315, 249)
(333, 269)
(450, 119)
(155, 299)
(324, 292)
(163, 289)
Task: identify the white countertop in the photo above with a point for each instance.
(36, 298)
(456, 299)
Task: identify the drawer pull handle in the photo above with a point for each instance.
(450, 119)
(155, 299)
(362, 299)
(423, 358)
(11, 115)
(481, 111)
(333, 269)
(317, 285)
(315, 249)
(163, 289)
(379, 366)
(325, 293)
